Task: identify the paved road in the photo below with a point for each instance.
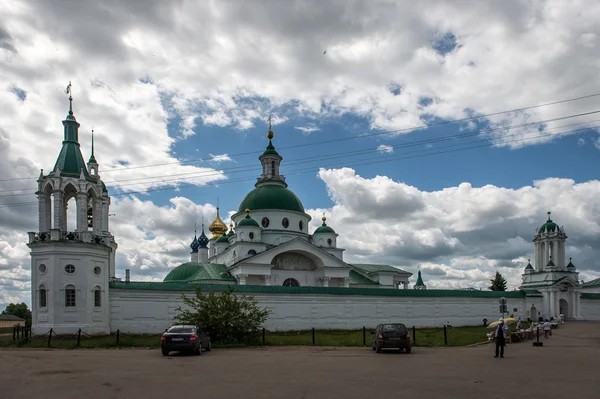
(565, 367)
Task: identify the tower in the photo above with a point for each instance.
(420, 285)
(549, 243)
(270, 161)
(72, 262)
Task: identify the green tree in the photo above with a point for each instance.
(498, 283)
(20, 310)
(225, 316)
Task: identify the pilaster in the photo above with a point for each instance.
(57, 211)
(325, 281)
(81, 201)
(242, 279)
(268, 279)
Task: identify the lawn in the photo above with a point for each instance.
(459, 336)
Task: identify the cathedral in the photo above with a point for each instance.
(268, 252)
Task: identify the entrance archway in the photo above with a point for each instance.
(533, 313)
(563, 307)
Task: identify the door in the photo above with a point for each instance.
(533, 313)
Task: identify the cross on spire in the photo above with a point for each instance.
(270, 119)
(549, 215)
(68, 91)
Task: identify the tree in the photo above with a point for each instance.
(20, 310)
(498, 283)
(225, 316)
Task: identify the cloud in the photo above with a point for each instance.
(385, 148)
(220, 158)
(307, 129)
(581, 141)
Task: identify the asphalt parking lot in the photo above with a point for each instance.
(565, 367)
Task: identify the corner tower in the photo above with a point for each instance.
(72, 262)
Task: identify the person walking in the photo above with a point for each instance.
(500, 337)
(547, 329)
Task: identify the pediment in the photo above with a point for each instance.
(297, 254)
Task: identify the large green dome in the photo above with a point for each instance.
(271, 196)
(183, 272)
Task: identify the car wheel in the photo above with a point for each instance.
(408, 350)
(209, 347)
(164, 352)
(378, 348)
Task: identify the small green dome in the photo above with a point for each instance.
(248, 221)
(271, 196)
(270, 149)
(183, 272)
(548, 227)
(324, 228)
(529, 267)
(222, 239)
(570, 265)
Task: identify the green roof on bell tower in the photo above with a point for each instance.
(70, 162)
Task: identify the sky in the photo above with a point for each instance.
(433, 135)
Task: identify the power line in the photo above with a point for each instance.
(441, 123)
(307, 170)
(245, 168)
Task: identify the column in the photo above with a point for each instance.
(347, 282)
(81, 202)
(325, 281)
(552, 303)
(573, 305)
(58, 200)
(405, 285)
(242, 279)
(268, 279)
(577, 305)
(97, 215)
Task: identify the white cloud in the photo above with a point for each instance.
(581, 141)
(307, 129)
(385, 148)
(220, 158)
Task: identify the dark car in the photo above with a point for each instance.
(185, 339)
(391, 335)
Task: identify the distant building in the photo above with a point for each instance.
(8, 320)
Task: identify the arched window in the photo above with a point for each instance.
(252, 252)
(43, 299)
(273, 168)
(70, 296)
(329, 241)
(291, 282)
(97, 297)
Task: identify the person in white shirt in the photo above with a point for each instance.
(547, 329)
(562, 318)
(500, 337)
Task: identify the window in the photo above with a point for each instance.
(301, 225)
(70, 296)
(43, 298)
(97, 270)
(42, 268)
(265, 222)
(273, 168)
(285, 223)
(329, 241)
(251, 235)
(69, 269)
(97, 297)
(291, 282)
(252, 252)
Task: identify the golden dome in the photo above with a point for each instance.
(217, 228)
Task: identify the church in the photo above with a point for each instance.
(267, 252)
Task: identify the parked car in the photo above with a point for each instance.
(391, 335)
(185, 339)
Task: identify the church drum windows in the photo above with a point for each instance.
(42, 268)
(43, 298)
(69, 269)
(265, 222)
(252, 252)
(329, 241)
(97, 297)
(251, 236)
(70, 296)
(97, 270)
(291, 282)
(285, 223)
(301, 225)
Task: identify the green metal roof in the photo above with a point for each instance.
(191, 271)
(420, 282)
(592, 283)
(590, 295)
(531, 291)
(548, 227)
(570, 265)
(270, 150)
(263, 289)
(550, 263)
(372, 268)
(529, 267)
(359, 279)
(324, 229)
(223, 239)
(248, 221)
(70, 161)
(271, 196)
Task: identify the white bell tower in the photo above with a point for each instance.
(72, 262)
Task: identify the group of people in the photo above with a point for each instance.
(501, 332)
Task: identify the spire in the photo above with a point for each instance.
(420, 285)
(92, 157)
(270, 161)
(70, 161)
(549, 215)
(203, 239)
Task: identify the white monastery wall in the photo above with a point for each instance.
(590, 309)
(146, 311)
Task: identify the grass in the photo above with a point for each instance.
(459, 336)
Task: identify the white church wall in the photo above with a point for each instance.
(590, 309)
(138, 311)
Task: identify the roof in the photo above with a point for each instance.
(590, 295)
(264, 289)
(324, 228)
(70, 161)
(373, 268)
(192, 271)
(550, 284)
(592, 283)
(248, 221)
(359, 279)
(271, 196)
(531, 291)
(529, 267)
(270, 150)
(10, 317)
(420, 282)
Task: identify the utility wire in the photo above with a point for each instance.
(299, 172)
(245, 168)
(441, 123)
